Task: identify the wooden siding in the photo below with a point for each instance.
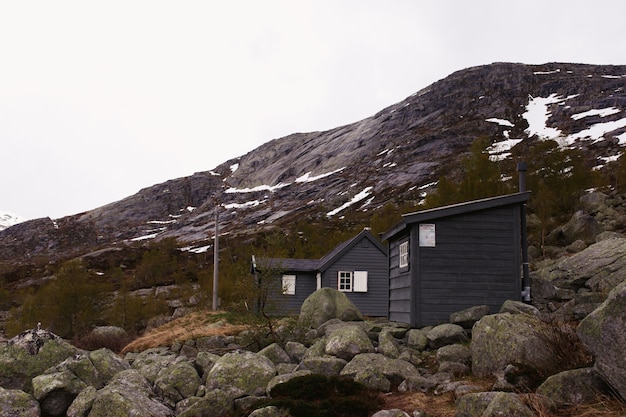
(399, 285)
(306, 283)
(476, 261)
(364, 256)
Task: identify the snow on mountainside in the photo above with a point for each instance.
(8, 220)
(395, 156)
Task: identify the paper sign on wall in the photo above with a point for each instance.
(427, 235)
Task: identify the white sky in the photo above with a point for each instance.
(99, 99)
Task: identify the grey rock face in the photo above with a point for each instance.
(575, 387)
(128, 393)
(469, 316)
(348, 341)
(604, 333)
(502, 339)
(29, 354)
(445, 334)
(242, 370)
(16, 403)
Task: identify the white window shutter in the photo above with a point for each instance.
(360, 281)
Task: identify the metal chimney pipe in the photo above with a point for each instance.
(521, 169)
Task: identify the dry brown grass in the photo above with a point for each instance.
(191, 326)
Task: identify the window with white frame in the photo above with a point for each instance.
(344, 282)
(404, 254)
(289, 284)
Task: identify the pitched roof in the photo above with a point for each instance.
(454, 209)
(314, 265)
(289, 264)
(343, 247)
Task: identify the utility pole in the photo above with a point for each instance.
(216, 257)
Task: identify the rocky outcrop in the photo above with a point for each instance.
(603, 332)
(410, 143)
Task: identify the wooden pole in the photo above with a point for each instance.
(216, 259)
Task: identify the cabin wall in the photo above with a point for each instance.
(400, 301)
(306, 283)
(363, 256)
(475, 261)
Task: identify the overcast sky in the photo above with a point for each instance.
(99, 99)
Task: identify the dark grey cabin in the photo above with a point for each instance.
(358, 267)
(451, 258)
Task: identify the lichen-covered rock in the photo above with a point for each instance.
(128, 394)
(29, 354)
(82, 403)
(325, 304)
(474, 404)
(445, 334)
(246, 371)
(215, 403)
(56, 391)
(295, 350)
(574, 387)
(275, 353)
(373, 379)
(280, 379)
(603, 332)
(454, 353)
(204, 361)
(502, 339)
(466, 318)
(507, 404)
(518, 307)
(600, 268)
(348, 341)
(395, 370)
(416, 339)
(107, 364)
(323, 365)
(177, 382)
(388, 344)
(150, 362)
(17, 403)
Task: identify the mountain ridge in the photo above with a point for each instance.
(394, 155)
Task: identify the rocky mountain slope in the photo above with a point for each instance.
(8, 220)
(393, 155)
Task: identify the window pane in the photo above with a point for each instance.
(344, 282)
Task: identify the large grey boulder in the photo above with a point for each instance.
(323, 365)
(82, 403)
(581, 226)
(29, 354)
(603, 332)
(573, 387)
(466, 318)
(177, 382)
(491, 404)
(151, 361)
(16, 403)
(445, 334)
(246, 371)
(416, 339)
(128, 394)
(215, 403)
(348, 341)
(275, 353)
(395, 370)
(325, 304)
(502, 339)
(388, 344)
(56, 391)
(599, 268)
